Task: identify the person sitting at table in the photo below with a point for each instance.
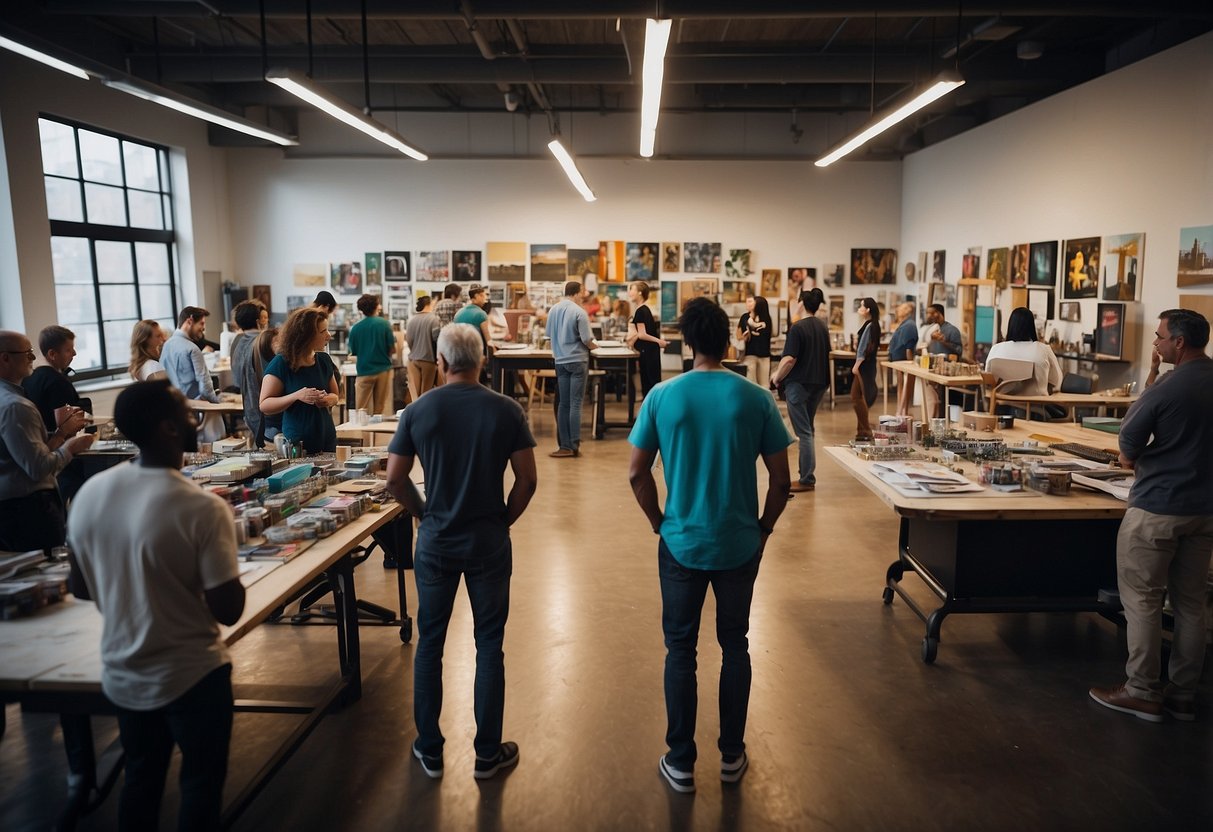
(301, 382)
(938, 337)
(373, 342)
(251, 317)
(158, 556)
(48, 387)
(147, 339)
(901, 348)
(863, 371)
(1021, 344)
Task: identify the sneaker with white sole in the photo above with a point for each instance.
(1119, 699)
(432, 766)
(679, 781)
(507, 756)
(733, 766)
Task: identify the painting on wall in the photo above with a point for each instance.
(374, 272)
(506, 261)
(1042, 269)
(700, 287)
(263, 293)
(837, 307)
(939, 265)
(996, 267)
(1070, 310)
(970, 266)
(739, 266)
(1124, 255)
(873, 265)
(398, 303)
(1081, 274)
(1040, 303)
(834, 275)
(671, 257)
(937, 293)
(582, 261)
(701, 258)
(397, 266)
(642, 261)
(1110, 330)
(465, 265)
(611, 261)
(434, 266)
(736, 291)
(309, 274)
(1195, 264)
(770, 282)
(549, 262)
(669, 301)
(346, 278)
(1019, 264)
(294, 302)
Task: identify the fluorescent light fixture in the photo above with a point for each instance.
(656, 39)
(43, 58)
(170, 99)
(570, 169)
(300, 85)
(942, 85)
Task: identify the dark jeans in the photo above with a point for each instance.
(570, 391)
(682, 594)
(35, 521)
(488, 585)
(199, 722)
(802, 409)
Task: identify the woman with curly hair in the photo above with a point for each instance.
(301, 382)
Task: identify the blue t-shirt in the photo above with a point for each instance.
(302, 422)
(710, 427)
(905, 337)
(471, 314)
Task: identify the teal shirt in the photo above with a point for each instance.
(373, 341)
(710, 427)
(471, 314)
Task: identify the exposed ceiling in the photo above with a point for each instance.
(804, 73)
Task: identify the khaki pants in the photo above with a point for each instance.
(422, 377)
(374, 393)
(1157, 553)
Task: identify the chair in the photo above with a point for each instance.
(1001, 372)
(1073, 383)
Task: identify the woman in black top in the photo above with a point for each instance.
(643, 336)
(754, 329)
(863, 381)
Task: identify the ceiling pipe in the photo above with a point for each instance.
(486, 52)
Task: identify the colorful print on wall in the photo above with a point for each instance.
(996, 267)
(612, 258)
(1020, 263)
(1195, 264)
(346, 278)
(698, 287)
(582, 261)
(309, 274)
(671, 257)
(702, 258)
(970, 266)
(434, 266)
(374, 272)
(642, 261)
(1124, 255)
(669, 301)
(506, 261)
(397, 266)
(873, 265)
(1080, 277)
(549, 262)
(770, 283)
(1042, 268)
(465, 266)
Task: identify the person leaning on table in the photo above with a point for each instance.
(1166, 535)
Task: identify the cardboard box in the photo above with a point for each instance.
(973, 420)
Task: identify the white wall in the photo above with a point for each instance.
(1131, 151)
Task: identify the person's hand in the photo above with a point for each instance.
(1125, 462)
(310, 395)
(1155, 360)
(80, 443)
(853, 370)
(937, 335)
(70, 419)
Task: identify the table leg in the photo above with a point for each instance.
(345, 601)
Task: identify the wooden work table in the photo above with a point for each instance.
(947, 382)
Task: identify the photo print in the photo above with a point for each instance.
(701, 258)
(506, 261)
(1042, 270)
(873, 265)
(397, 266)
(549, 263)
(346, 278)
(311, 275)
(834, 275)
(837, 308)
(939, 266)
(1019, 264)
(434, 266)
(1195, 265)
(1124, 255)
(996, 267)
(582, 261)
(739, 266)
(1081, 272)
(771, 281)
(700, 287)
(923, 275)
(466, 267)
(1070, 310)
(398, 302)
(642, 261)
(671, 257)
(374, 272)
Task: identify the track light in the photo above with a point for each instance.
(303, 87)
(940, 87)
(656, 39)
(43, 58)
(170, 99)
(570, 169)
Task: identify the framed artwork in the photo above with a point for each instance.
(939, 265)
(1019, 264)
(1042, 268)
(970, 266)
(399, 303)
(262, 292)
(739, 266)
(923, 274)
(1124, 255)
(582, 261)
(1195, 264)
(949, 300)
(701, 258)
(346, 278)
(699, 287)
(834, 275)
(936, 293)
(1070, 310)
(837, 306)
(1040, 303)
(374, 272)
(311, 275)
(736, 291)
(873, 265)
(465, 265)
(1110, 329)
(671, 257)
(294, 302)
(997, 267)
(669, 301)
(506, 261)
(434, 266)
(549, 263)
(642, 261)
(769, 287)
(611, 261)
(397, 266)
(1081, 272)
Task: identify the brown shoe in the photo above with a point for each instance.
(563, 453)
(798, 487)
(1119, 699)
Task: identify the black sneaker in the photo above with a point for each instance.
(733, 766)
(680, 781)
(506, 757)
(432, 766)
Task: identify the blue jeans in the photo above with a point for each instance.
(682, 594)
(488, 585)
(802, 409)
(570, 389)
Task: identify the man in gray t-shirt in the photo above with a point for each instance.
(421, 332)
(1166, 536)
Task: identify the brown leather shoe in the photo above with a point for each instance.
(1119, 699)
(563, 453)
(798, 487)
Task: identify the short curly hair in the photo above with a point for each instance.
(705, 326)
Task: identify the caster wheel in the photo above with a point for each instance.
(406, 631)
(930, 646)
(887, 596)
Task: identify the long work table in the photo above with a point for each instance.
(912, 368)
(990, 551)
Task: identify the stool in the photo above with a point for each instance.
(538, 382)
(594, 382)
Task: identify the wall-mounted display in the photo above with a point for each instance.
(398, 302)
(1124, 255)
(698, 287)
(309, 274)
(702, 258)
(837, 306)
(669, 301)
(346, 278)
(939, 266)
(506, 261)
(1195, 264)
(834, 275)
(374, 272)
(1081, 272)
(611, 261)
(1019, 264)
(549, 262)
(582, 261)
(397, 266)
(465, 266)
(996, 266)
(873, 265)
(1042, 269)
(671, 257)
(1070, 310)
(434, 266)
(1110, 330)
(642, 261)
(739, 266)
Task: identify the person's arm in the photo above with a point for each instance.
(332, 397)
(485, 332)
(642, 334)
(400, 485)
(1155, 362)
(861, 350)
(22, 430)
(640, 475)
(522, 463)
(226, 601)
(275, 399)
(743, 332)
(1055, 374)
(954, 347)
(783, 370)
(203, 375)
(1135, 431)
(779, 481)
(75, 579)
(584, 331)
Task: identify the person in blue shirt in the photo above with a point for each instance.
(183, 364)
(710, 425)
(569, 330)
(901, 348)
(301, 382)
(374, 343)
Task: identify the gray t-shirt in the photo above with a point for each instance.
(1168, 433)
(420, 332)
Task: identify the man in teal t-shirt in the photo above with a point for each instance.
(473, 313)
(710, 425)
(374, 343)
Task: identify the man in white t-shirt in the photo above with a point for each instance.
(158, 555)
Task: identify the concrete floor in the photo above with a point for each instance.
(848, 729)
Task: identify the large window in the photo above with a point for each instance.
(109, 200)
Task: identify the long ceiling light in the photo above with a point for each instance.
(570, 169)
(942, 85)
(300, 85)
(43, 58)
(656, 39)
(170, 99)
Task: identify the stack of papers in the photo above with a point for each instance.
(917, 478)
(1115, 481)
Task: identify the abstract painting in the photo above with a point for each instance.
(834, 274)
(1042, 269)
(873, 265)
(309, 274)
(669, 301)
(700, 287)
(1081, 272)
(466, 266)
(739, 265)
(642, 261)
(1124, 255)
(434, 266)
(346, 278)
(549, 262)
(582, 261)
(611, 261)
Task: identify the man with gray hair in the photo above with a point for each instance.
(463, 434)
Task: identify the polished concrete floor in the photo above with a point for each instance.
(848, 729)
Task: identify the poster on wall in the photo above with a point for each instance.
(1040, 303)
(834, 275)
(873, 265)
(1081, 273)
(582, 261)
(397, 266)
(466, 266)
(996, 267)
(669, 301)
(671, 257)
(346, 278)
(506, 261)
(311, 275)
(703, 258)
(739, 266)
(433, 266)
(1070, 310)
(374, 272)
(549, 262)
(1110, 331)
(398, 302)
(770, 282)
(1019, 264)
(1124, 255)
(1195, 264)
(939, 265)
(970, 266)
(699, 287)
(837, 308)
(642, 261)
(611, 261)
(1042, 269)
